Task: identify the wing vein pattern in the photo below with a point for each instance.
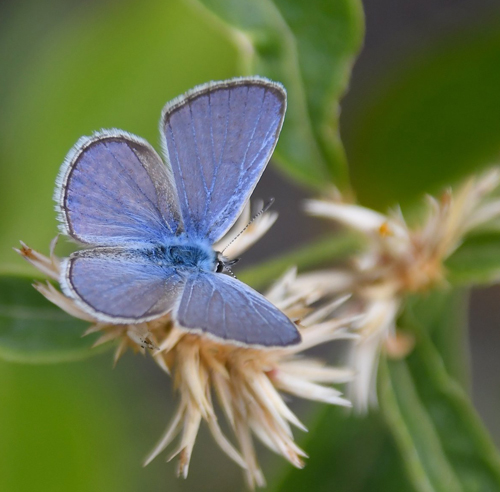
(121, 284)
(230, 310)
(134, 187)
(114, 190)
(218, 140)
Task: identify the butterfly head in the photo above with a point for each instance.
(223, 263)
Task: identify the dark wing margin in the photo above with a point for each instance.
(218, 139)
(113, 189)
(117, 285)
(227, 309)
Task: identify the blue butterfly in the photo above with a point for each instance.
(149, 226)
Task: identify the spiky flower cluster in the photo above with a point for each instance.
(247, 382)
(398, 259)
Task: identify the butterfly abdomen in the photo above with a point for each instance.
(184, 255)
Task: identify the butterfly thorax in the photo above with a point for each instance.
(184, 255)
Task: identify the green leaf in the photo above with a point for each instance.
(443, 443)
(476, 261)
(421, 449)
(429, 122)
(310, 256)
(347, 454)
(444, 313)
(33, 330)
(309, 47)
(68, 428)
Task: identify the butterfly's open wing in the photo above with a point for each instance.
(218, 139)
(120, 285)
(115, 190)
(221, 306)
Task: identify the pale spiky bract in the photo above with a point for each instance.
(398, 259)
(245, 382)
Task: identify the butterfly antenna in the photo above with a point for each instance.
(266, 207)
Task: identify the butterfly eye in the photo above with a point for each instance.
(219, 267)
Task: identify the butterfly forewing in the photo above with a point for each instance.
(115, 190)
(218, 139)
(226, 308)
(121, 285)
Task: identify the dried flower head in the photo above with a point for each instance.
(399, 259)
(245, 381)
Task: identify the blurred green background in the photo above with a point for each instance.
(423, 110)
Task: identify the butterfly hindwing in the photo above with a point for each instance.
(120, 285)
(115, 190)
(218, 139)
(224, 307)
